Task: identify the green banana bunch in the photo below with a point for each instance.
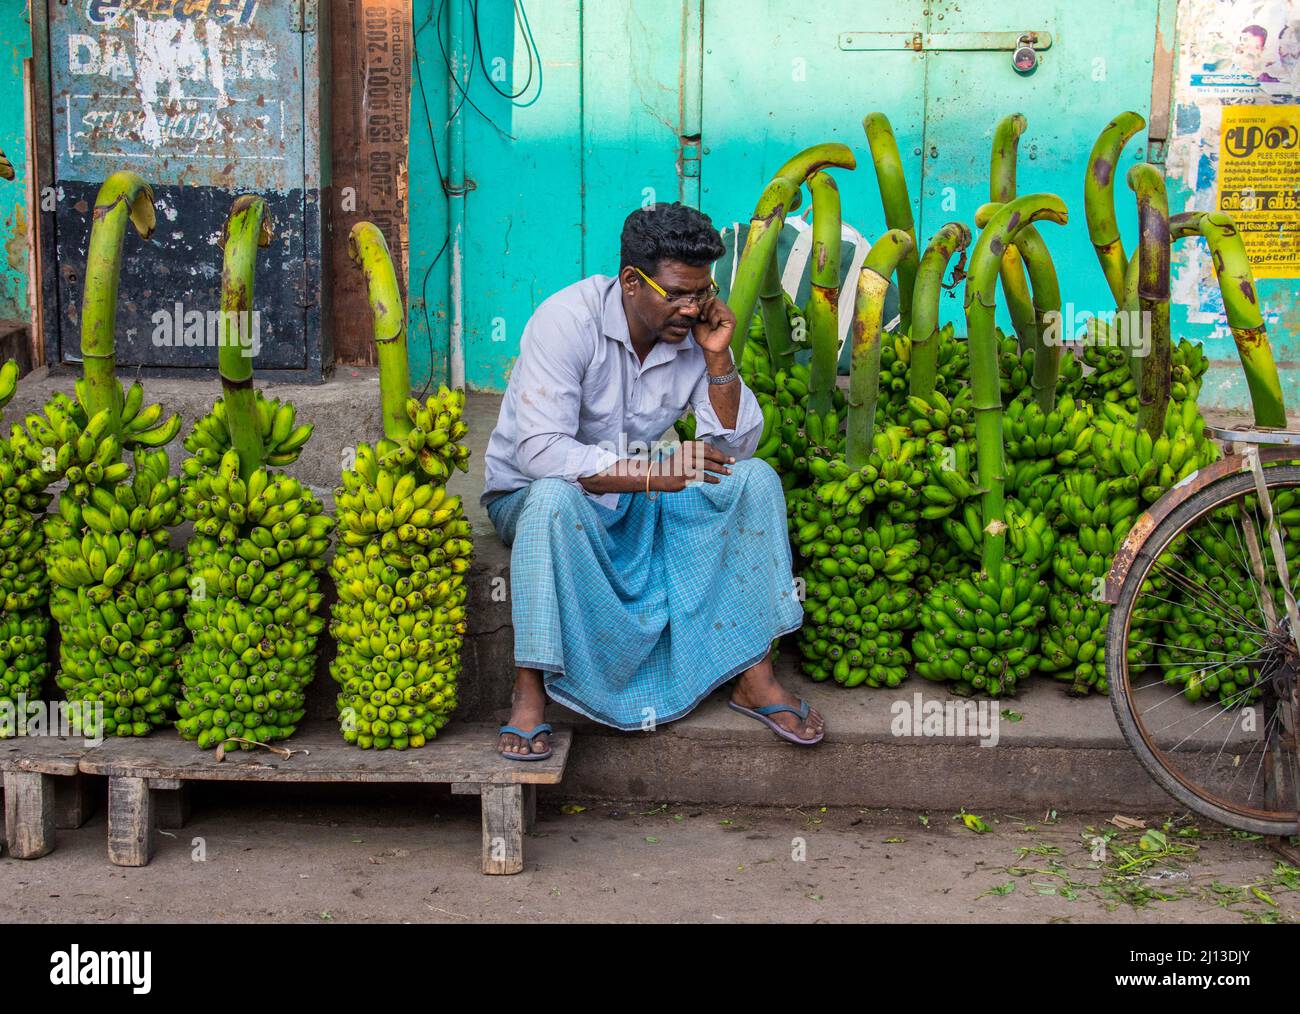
(949, 479)
(255, 559)
(1016, 369)
(1074, 641)
(856, 537)
(399, 621)
(1041, 448)
(981, 634)
(282, 439)
(1209, 642)
(952, 368)
(1150, 468)
(8, 381)
(116, 584)
(142, 426)
(1031, 540)
(24, 584)
(1111, 381)
(941, 421)
(856, 632)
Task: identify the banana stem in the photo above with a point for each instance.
(1241, 301)
(1002, 188)
(759, 252)
(1148, 183)
(779, 197)
(1047, 307)
(981, 304)
(897, 205)
(776, 323)
(123, 196)
(950, 239)
(868, 317)
(368, 249)
(822, 311)
(247, 227)
(1099, 199)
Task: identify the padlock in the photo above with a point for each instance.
(1025, 57)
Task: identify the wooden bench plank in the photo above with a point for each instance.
(49, 755)
(464, 752)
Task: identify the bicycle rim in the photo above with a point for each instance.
(1201, 660)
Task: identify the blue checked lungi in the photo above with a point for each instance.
(635, 614)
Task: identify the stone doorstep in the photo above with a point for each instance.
(1064, 753)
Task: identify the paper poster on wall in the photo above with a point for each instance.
(1259, 184)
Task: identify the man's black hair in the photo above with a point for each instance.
(669, 232)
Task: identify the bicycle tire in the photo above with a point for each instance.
(1181, 518)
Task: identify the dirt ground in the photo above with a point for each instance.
(408, 855)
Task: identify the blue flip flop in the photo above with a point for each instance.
(530, 736)
(761, 715)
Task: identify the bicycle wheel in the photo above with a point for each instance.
(1200, 658)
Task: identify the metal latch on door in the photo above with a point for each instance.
(920, 42)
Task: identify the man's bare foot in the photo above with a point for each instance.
(527, 711)
(758, 688)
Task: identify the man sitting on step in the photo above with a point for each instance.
(642, 576)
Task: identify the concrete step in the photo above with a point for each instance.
(1063, 753)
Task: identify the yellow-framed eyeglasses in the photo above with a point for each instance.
(691, 298)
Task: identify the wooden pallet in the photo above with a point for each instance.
(44, 790)
(146, 774)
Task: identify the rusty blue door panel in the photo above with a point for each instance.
(204, 98)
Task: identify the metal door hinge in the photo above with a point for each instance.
(302, 15)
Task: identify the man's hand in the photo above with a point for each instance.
(714, 330)
(695, 461)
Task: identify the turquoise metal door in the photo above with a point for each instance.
(1098, 63)
(776, 81)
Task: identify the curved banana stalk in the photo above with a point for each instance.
(1148, 183)
(822, 311)
(950, 239)
(1002, 188)
(981, 303)
(897, 205)
(1241, 302)
(1045, 305)
(248, 226)
(368, 249)
(868, 313)
(6, 167)
(1099, 199)
(759, 252)
(780, 197)
(124, 196)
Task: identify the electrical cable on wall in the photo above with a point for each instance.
(534, 67)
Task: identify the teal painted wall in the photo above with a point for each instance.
(15, 220)
(627, 83)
